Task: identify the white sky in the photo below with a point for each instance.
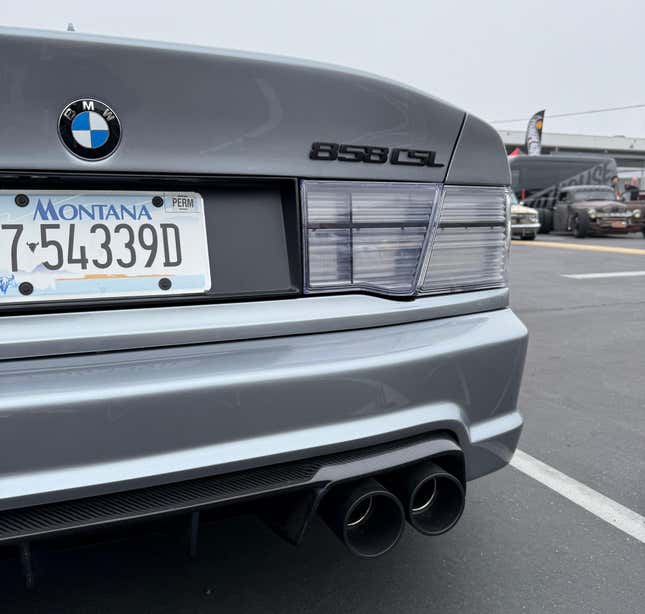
(496, 58)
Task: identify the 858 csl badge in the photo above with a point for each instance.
(90, 129)
(341, 152)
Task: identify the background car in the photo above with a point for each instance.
(537, 180)
(590, 209)
(524, 220)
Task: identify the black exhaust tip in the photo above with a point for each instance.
(433, 499)
(366, 517)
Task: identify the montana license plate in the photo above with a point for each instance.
(58, 246)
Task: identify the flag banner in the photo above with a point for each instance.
(534, 134)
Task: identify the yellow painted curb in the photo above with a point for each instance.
(589, 248)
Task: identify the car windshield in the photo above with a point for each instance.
(607, 194)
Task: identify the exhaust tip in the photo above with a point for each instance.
(436, 504)
(367, 518)
(373, 525)
(433, 498)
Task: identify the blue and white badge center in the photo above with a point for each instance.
(90, 130)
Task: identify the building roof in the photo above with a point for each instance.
(623, 147)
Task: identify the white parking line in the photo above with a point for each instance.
(605, 508)
(600, 275)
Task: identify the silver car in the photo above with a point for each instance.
(524, 220)
(229, 278)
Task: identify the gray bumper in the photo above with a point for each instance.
(90, 423)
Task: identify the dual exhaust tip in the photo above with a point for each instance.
(368, 515)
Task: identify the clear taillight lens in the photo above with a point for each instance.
(365, 235)
(470, 246)
(403, 239)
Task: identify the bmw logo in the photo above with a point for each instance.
(89, 129)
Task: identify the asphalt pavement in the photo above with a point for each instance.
(520, 547)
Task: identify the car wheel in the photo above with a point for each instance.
(643, 231)
(581, 225)
(528, 237)
(545, 217)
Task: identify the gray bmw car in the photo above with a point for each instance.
(241, 280)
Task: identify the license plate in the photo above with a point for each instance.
(60, 245)
(618, 224)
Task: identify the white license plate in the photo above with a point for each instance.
(60, 245)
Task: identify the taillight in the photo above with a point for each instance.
(470, 246)
(403, 238)
(365, 235)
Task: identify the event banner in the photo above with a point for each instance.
(534, 134)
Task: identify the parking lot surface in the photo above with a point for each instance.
(520, 547)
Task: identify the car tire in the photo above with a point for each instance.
(545, 217)
(528, 237)
(643, 231)
(581, 225)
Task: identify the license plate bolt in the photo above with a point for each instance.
(157, 201)
(25, 288)
(22, 200)
(165, 283)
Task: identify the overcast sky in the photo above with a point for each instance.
(498, 59)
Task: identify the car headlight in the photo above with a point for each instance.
(592, 213)
(637, 213)
(403, 239)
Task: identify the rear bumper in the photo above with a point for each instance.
(524, 230)
(87, 424)
(605, 227)
(525, 227)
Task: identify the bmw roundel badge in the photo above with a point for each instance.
(89, 129)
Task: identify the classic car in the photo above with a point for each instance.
(537, 180)
(524, 220)
(591, 209)
(235, 279)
